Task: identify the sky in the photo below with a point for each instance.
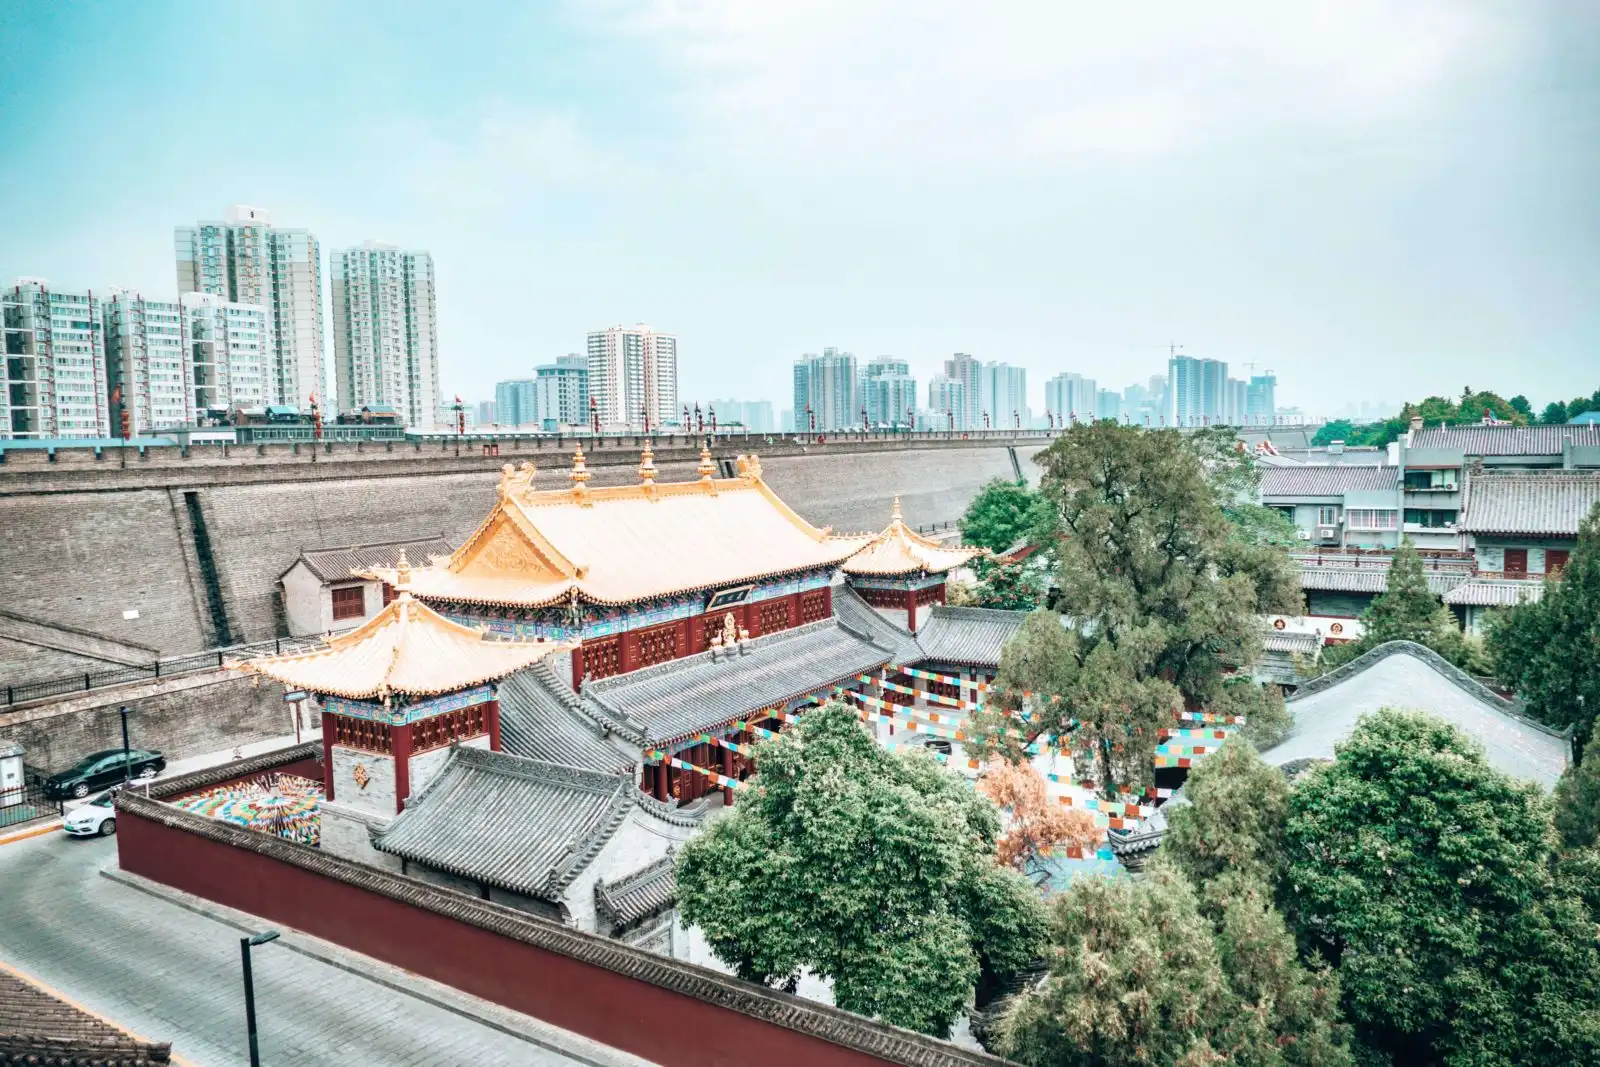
(1376, 201)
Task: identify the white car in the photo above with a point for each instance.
(95, 818)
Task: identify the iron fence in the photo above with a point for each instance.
(27, 802)
(140, 672)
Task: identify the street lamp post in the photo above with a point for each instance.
(127, 770)
(245, 944)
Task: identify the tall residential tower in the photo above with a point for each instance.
(385, 341)
(633, 376)
(53, 374)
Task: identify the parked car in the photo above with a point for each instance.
(97, 818)
(102, 769)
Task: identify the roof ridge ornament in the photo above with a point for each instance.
(895, 515)
(708, 466)
(647, 467)
(525, 475)
(507, 475)
(580, 477)
(749, 467)
(402, 571)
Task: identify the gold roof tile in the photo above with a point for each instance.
(901, 550)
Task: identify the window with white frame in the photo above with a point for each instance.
(1327, 515)
(1371, 518)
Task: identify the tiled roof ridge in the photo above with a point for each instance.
(583, 852)
(240, 768)
(396, 543)
(511, 765)
(666, 812)
(51, 1030)
(607, 719)
(973, 613)
(610, 898)
(600, 685)
(791, 1012)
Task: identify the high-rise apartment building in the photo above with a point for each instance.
(969, 372)
(229, 353)
(889, 393)
(1197, 391)
(385, 340)
(246, 260)
(826, 391)
(1003, 396)
(487, 413)
(1071, 398)
(947, 404)
(633, 376)
(1108, 405)
(148, 360)
(561, 392)
(53, 378)
(1236, 404)
(754, 415)
(1261, 399)
(514, 402)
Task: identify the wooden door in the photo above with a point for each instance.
(1516, 562)
(1555, 560)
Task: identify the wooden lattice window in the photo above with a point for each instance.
(774, 616)
(711, 626)
(463, 724)
(945, 689)
(349, 602)
(813, 606)
(658, 646)
(602, 659)
(883, 598)
(929, 595)
(361, 733)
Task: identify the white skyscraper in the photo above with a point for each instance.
(1004, 396)
(230, 353)
(149, 360)
(889, 392)
(385, 340)
(828, 385)
(969, 372)
(246, 260)
(633, 376)
(1072, 398)
(52, 363)
(947, 404)
(1197, 391)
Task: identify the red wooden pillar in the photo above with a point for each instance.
(327, 755)
(577, 669)
(827, 601)
(727, 769)
(938, 596)
(400, 748)
(492, 718)
(911, 610)
(659, 785)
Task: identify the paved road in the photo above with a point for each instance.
(169, 974)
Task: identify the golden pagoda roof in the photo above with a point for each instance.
(901, 550)
(622, 544)
(407, 649)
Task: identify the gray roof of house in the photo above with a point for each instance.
(1322, 455)
(1495, 592)
(1401, 674)
(1506, 440)
(337, 564)
(1287, 641)
(1543, 503)
(686, 696)
(524, 825)
(1326, 481)
(1370, 579)
(542, 718)
(38, 1027)
(645, 892)
(967, 636)
(856, 614)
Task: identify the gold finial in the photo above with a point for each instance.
(895, 516)
(402, 572)
(580, 474)
(708, 466)
(647, 466)
(506, 473)
(749, 467)
(525, 473)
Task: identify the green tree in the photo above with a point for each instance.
(1425, 877)
(1554, 414)
(1019, 586)
(1549, 651)
(872, 869)
(1407, 611)
(1141, 976)
(1266, 717)
(1520, 405)
(1233, 821)
(1577, 800)
(1334, 430)
(1004, 513)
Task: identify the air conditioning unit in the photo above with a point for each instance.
(1327, 533)
(1304, 535)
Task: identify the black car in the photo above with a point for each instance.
(102, 769)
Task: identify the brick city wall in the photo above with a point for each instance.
(89, 559)
(178, 717)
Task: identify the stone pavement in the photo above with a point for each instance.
(173, 975)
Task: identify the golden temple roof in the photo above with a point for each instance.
(622, 544)
(901, 550)
(406, 649)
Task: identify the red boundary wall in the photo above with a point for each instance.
(636, 1014)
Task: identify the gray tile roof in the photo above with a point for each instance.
(647, 891)
(524, 825)
(1543, 503)
(1495, 592)
(1352, 456)
(1285, 641)
(37, 1027)
(1284, 483)
(1373, 578)
(1405, 675)
(542, 718)
(336, 564)
(856, 614)
(688, 696)
(1506, 440)
(968, 636)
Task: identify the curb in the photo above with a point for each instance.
(32, 831)
(512, 1023)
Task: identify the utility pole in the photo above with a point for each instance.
(127, 770)
(245, 944)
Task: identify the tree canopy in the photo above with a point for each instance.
(872, 869)
(1034, 823)
(1425, 877)
(1232, 821)
(1549, 651)
(1469, 408)
(1004, 513)
(1578, 799)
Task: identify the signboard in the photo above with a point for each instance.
(729, 597)
(293, 695)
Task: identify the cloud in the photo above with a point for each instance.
(954, 84)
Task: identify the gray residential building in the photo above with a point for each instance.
(1003, 396)
(968, 372)
(1197, 391)
(230, 353)
(1261, 399)
(754, 415)
(947, 404)
(514, 402)
(1071, 398)
(826, 392)
(244, 259)
(1108, 405)
(148, 359)
(633, 376)
(889, 393)
(53, 377)
(385, 336)
(561, 392)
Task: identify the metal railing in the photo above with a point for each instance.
(28, 801)
(64, 685)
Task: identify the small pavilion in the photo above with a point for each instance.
(396, 693)
(900, 571)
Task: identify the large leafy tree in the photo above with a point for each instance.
(1140, 975)
(1407, 611)
(1034, 824)
(1578, 799)
(1549, 651)
(1233, 820)
(1005, 513)
(872, 869)
(1425, 877)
